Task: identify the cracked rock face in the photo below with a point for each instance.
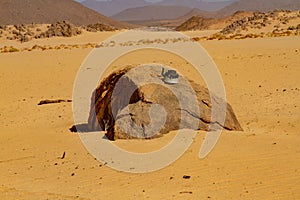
(136, 103)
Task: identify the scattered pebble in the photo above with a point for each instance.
(186, 177)
(64, 155)
(186, 192)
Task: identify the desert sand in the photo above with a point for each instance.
(262, 82)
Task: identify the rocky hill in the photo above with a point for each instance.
(260, 25)
(202, 23)
(50, 11)
(259, 5)
(270, 23)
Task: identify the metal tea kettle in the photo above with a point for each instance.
(170, 76)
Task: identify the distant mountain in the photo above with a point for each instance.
(112, 7)
(200, 4)
(50, 11)
(199, 13)
(259, 5)
(151, 13)
(173, 21)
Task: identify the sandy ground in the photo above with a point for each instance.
(263, 162)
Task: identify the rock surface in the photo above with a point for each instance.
(99, 27)
(135, 103)
(202, 23)
(279, 21)
(27, 32)
(60, 29)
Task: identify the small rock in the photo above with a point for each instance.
(29, 33)
(24, 38)
(186, 177)
(15, 32)
(186, 192)
(64, 155)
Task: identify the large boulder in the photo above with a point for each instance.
(136, 103)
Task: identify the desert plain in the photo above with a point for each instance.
(41, 159)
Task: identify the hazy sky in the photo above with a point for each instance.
(158, 0)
